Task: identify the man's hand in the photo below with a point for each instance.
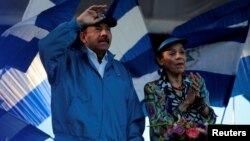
(92, 15)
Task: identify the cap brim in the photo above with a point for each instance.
(110, 21)
(170, 41)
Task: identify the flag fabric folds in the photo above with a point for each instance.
(24, 88)
(131, 42)
(218, 48)
(15, 129)
(217, 41)
(26, 34)
(216, 38)
(242, 81)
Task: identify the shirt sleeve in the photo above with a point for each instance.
(53, 47)
(158, 116)
(136, 117)
(211, 118)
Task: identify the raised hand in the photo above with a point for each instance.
(194, 90)
(92, 15)
(196, 83)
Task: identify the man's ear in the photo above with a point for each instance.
(82, 36)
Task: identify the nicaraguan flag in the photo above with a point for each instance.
(216, 41)
(15, 129)
(217, 45)
(23, 83)
(131, 42)
(242, 81)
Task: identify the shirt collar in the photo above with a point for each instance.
(92, 55)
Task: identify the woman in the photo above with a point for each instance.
(176, 98)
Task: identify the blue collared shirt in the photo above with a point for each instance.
(99, 66)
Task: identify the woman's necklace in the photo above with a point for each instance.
(178, 84)
(178, 89)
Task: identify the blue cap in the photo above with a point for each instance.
(110, 21)
(171, 40)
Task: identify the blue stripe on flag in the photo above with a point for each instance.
(224, 16)
(243, 79)
(30, 133)
(56, 2)
(140, 58)
(3, 28)
(121, 7)
(21, 52)
(52, 17)
(35, 106)
(215, 35)
(15, 129)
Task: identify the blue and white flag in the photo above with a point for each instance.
(242, 81)
(24, 88)
(131, 42)
(15, 129)
(217, 45)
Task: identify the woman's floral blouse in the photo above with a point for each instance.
(162, 102)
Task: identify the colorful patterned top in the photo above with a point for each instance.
(162, 102)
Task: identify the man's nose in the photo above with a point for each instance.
(104, 31)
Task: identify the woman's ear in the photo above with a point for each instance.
(159, 61)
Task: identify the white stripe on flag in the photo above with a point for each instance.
(21, 29)
(130, 28)
(141, 81)
(221, 57)
(17, 90)
(35, 7)
(246, 48)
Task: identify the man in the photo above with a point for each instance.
(93, 98)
